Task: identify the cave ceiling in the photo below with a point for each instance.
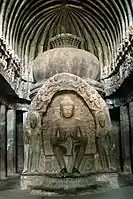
(27, 25)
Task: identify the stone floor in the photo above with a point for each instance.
(12, 191)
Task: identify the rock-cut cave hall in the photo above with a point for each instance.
(66, 95)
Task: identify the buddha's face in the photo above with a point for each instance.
(67, 107)
(33, 121)
(67, 111)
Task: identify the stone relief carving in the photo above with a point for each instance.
(114, 81)
(10, 67)
(74, 136)
(32, 138)
(63, 125)
(67, 126)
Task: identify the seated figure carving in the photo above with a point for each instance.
(68, 126)
(69, 144)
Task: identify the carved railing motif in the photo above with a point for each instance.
(11, 70)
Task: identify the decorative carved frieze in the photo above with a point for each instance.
(11, 70)
(122, 65)
(113, 83)
(65, 40)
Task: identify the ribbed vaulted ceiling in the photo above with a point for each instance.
(27, 25)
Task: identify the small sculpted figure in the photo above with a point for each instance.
(33, 138)
(103, 142)
(64, 127)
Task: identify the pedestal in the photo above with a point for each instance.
(51, 185)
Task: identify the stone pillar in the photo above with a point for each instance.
(24, 118)
(3, 168)
(131, 130)
(116, 139)
(20, 143)
(125, 139)
(11, 142)
(25, 146)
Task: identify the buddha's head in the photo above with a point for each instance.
(33, 121)
(67, 107)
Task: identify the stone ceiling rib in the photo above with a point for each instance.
(28, 25)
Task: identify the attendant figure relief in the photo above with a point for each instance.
(33, 139)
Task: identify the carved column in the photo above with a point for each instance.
(116, 139)
(131, 130)
(3, 172)
(125, 139)
(25, 145)
(11, 142)
(20, 144)
(115, 136)
(24, 118)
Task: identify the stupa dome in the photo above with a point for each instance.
(65, 55)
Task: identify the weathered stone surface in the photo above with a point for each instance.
(32, 138)
(49, 185)
(68, 58)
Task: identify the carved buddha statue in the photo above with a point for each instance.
(68, 126)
